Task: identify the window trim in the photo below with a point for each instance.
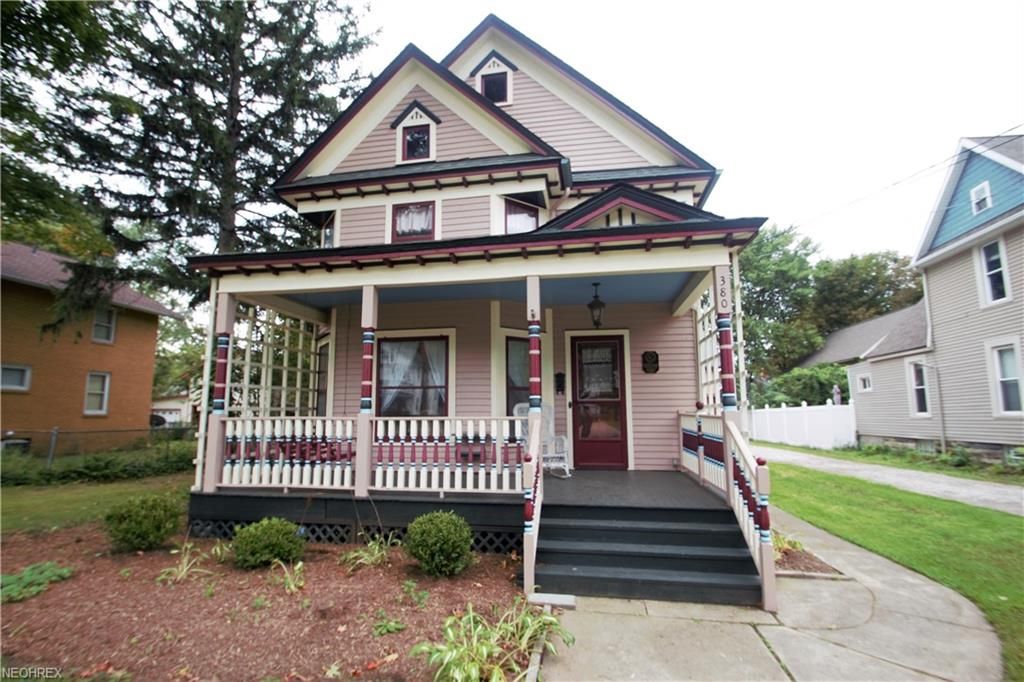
(405, 144)
(506, 74)
(859, 377)
(992, 372)
(536, 214)
(912, 387)
(102, 412)
(415, 116)
(410, 334)
(979, 191)
(984, 290)
(26, 387)
(496, 65)
(395, 239)
(113, 325)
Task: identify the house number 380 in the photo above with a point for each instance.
(723, 293)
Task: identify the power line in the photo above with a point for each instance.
(944, 163)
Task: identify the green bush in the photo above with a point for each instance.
(269, 540)
(31, 581)
(813, 385)
(167, 458)
(441, 542)
(141, 523)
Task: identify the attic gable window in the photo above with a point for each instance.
(981, 198)
(493, 76)
(519, 218)
(415, 134)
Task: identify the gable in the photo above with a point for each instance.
(456, 138)
(632, 140)
(957, 218)
(383, 98)
(624, 205)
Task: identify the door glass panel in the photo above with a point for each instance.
(599, 421)
(599, 372)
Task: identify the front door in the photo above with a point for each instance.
(598, 403)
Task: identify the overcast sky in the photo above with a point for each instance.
(809, 108)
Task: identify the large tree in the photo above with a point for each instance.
(777, 286)
(857, 288)
(174, 138)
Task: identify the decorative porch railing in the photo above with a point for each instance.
(306, 452)
(741, 478)
(459, 454)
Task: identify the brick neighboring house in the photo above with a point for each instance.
(96, 375)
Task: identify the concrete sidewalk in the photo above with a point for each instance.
(882, 622)
(1002, 497)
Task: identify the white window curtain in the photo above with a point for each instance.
(519, 218)
(414, 221)
(413, 378)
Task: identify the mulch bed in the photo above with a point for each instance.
(802, 561)
(111, 615)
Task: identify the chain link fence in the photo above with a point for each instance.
(56, 444)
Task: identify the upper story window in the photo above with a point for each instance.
(16, 378)
(519, 217)
(494, 78)
(993, 272)
(412, 222)
(1007, 378)
(981, 198)
(415, 134)
(104, 325)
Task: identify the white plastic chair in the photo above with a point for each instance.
(554, 449)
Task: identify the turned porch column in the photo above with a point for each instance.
(223, 316)
(723, 309)
(532, 490)
(364, 423)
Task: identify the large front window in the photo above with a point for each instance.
(412, 377)
(413, 222)
(517, 373)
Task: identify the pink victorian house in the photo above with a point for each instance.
(516, 281)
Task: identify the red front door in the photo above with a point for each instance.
(598, 403)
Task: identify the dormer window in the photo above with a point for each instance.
(494, 78)
(415, 134)
(981, 198)
(416, 143)
(519, 218)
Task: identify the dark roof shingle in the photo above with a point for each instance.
(894, 332)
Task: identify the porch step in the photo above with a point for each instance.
(641, 531)
(637, 583)
(633, 513)
(734, 560)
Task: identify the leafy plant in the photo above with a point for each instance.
(374, 553)
(417, 597)
(154, 460)
(442, 543)
(31, 581)
(261, 543)
(386, 625)
(189, 560)
(142, 523)
(473, 649)
(260, 602)
(783, 543)
(221, 551)
(292, 577)
(208, 590)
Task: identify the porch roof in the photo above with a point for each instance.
(693, 232)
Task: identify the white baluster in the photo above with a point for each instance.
(277, 470)
(446, 484)
(246, 478)
(229, 435)
(286, 443)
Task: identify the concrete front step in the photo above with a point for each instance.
(635, 583)
(644, 532)
(647, 556)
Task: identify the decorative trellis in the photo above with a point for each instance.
(272, 367)
(708, 359)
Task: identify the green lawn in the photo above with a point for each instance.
(977, 552)
(916, 461)
(45, 507)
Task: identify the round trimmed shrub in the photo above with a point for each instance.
(260, 544)
(442, 543)
(142, 523)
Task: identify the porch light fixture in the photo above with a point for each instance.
(596, 307)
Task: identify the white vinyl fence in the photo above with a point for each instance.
(825, 426)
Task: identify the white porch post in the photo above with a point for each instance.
(223, 317)
(364, 423)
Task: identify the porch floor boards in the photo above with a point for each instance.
(640, 489)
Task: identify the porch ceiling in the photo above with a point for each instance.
(638, 288)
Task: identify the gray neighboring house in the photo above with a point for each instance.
(949, 369)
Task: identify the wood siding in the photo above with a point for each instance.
(1007, 193)
(471, 321)
(470, 217)
(885, 411)
(456, 139)
(362, 226)
(588, 145)
(960, 327)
